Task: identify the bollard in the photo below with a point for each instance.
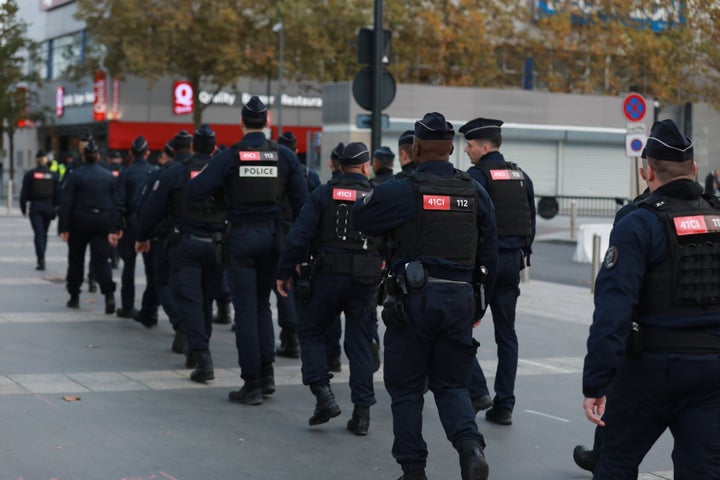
(573, 219)
(595, 261)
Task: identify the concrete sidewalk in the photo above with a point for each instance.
(89, 396)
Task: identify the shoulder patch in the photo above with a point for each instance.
(611, 258)
(367, 198)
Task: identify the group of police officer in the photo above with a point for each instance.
(443, 244)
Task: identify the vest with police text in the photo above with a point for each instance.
(507, 188)
(257, 181)
(336, 228)
(446, 223)
(184, 210)
(688, 279)
(41, 187)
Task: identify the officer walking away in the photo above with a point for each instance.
(652, 358)
(257, 175)
(441, 228)
(87, 216)
(129, 182)
(341, 274)
(115, 163)
(405, 143)
(511, 191)
(41, 188)
(383, 159)
(195, 227)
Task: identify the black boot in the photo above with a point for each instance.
(249, 394)
(267, 379)
(360, 421)
(585, 458)
(74, 301)
(289, 344)
(223, 316)
(204, 370)
(109, 303)
(92, 284)
(190, 360)
(40, 264)
(325, 407)
(178, 345)
(472, 462)
(413, 476)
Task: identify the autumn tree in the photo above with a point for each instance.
(17, 52)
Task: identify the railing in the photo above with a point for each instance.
(549, 206)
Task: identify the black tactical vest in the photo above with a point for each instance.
(184, 210)
(336, 228)
(446, 223)
(257, 181)
(507, 188)
(688, 279)
(41, 187)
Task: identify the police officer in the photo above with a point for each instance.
(334, 333)
(512, 194)
(129, 182)
(441, 228)
(41, 188)
(257, 175)
(87, 216)
(313, 179)
(383, 159)
(344, 270)
(195, 273)
(652, 353)
(405, 142)
(114, 163)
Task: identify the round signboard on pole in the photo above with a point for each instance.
(634, 107)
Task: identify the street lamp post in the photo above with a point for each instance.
(279, 27)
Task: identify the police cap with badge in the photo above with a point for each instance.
(433, 126)
(139, 145)
(481, 129)
(355, 153)
(203, 141)
(406, 138)
(254, 111)
(384, 156)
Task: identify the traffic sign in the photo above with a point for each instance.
(364, 120)
(634, 107)
(362, 88)
(634, 144)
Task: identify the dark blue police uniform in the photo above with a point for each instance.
(129, 185)
(513, 195)
(347, 267)
(655, 338)
(195, 273)
(255, 175)
(439, 218)
(88, 214)
(41, 188)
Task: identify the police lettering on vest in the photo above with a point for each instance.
(258, 181)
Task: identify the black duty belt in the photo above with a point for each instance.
(680, 342)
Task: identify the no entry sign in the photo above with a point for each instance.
(634, 107)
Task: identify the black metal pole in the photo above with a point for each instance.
(377, 70)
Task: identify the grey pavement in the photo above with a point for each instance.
(89, 396)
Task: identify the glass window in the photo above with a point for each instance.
(65, 51)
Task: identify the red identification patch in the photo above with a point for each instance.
(436, 202)
(697, 224)
(40, 176)
(506, 175)
(194, 173)
(116, 173)
(344, 194)
(249, 156)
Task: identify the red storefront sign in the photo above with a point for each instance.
(100, 102)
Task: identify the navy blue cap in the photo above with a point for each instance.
(481, 128)
(182, 140)
(384, 155)
(254, 109)
(204, 139)
(355, 153)
(667, 142)
(433, 126)
(114, 154)
(139, 145)
(40, 154)
(288, 139)
(86, 137)
(337, 151)
(406, 138)
(169, 148)
(91, 148)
